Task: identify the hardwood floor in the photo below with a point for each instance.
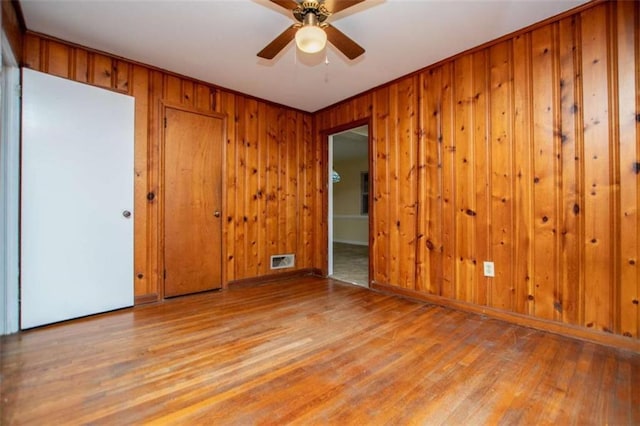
(309, 351)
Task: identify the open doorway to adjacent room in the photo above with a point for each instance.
(348, 210)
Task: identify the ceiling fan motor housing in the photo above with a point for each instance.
(312, 11)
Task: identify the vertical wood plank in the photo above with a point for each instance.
(214, 99)
(155, 134)
(597, 162)
(448, 146)
(252, 261)
(233, 214)
(285, 158)
(393, 206)
(382, 187)
(545, 161)
(614, 166)
(406, 152)
(628, 92)
(464, 198)
(57, 59)
(524, 180)
(319, 229)
(286, 180)
(423, 264)
(292, 183)
(259, 191)
(434, 113)
(481, 175)
(295, 156)
(502, 289)
(571, 276)
(145, 283)
(363, 107)
(203, 97)
(309, 195)
(80, 65)
(187, 96)
(122, 70)
(172, 89)
(241, 200)
(33, 47)
(271, 182)
(101, 72)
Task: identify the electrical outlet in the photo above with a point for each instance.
(489, 269)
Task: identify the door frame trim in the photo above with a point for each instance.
(325, 134)
(164, 105)
(10, 113)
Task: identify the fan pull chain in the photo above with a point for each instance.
(326, 68)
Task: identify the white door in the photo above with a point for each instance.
(77, 200)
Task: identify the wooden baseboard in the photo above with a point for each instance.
(567, 330)
(246, 282)
(146, 298)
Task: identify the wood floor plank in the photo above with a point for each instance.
(309, 351)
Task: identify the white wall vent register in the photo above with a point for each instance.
(281, 261)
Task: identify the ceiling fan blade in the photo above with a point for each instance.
(335, 6)
(350, 48)
(279, 43)
(287, 4)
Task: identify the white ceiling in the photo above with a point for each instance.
(217, 40)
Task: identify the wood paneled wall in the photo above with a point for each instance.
(525, 152)
(271, 192)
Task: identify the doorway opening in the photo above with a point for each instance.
(348, 206)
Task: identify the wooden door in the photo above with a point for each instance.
(193, 145)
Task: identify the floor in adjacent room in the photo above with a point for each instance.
(351, 263)
(309, 351)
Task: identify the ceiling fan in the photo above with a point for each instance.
(311, 31)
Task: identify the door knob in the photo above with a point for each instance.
(126, 214)
(216, 213)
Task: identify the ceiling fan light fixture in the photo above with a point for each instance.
(311, 39)
(311, 31)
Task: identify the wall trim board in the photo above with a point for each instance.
(562, 329)
(252, 281)
(488, 44)
(146, 298)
